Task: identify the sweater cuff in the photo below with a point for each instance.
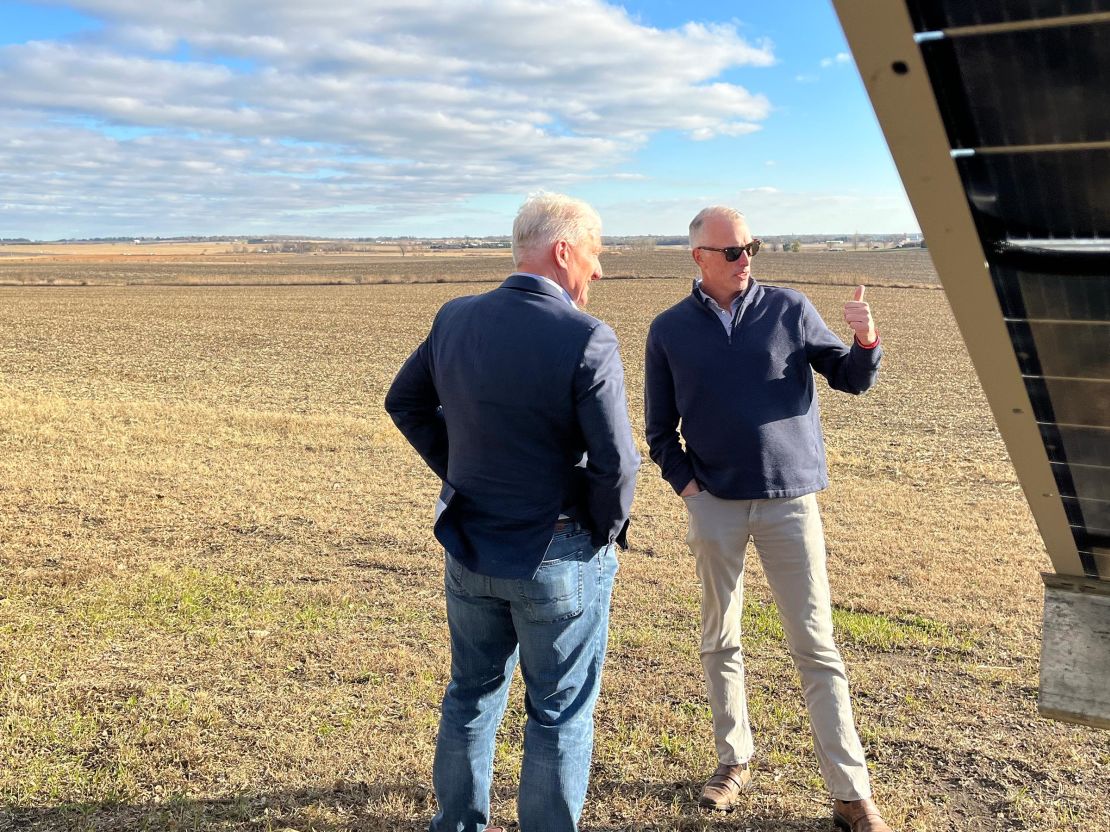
(870, 346)
(682, 479)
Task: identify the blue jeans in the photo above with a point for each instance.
(556, 625)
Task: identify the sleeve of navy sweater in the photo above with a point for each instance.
(661, 416)
(853, 370)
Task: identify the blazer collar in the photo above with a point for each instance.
(533, 284)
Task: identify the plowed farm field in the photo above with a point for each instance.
(884, 267)
(221, 601)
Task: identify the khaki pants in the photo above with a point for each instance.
(791, 545)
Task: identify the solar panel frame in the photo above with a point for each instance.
(1019, 254)
(966, 208)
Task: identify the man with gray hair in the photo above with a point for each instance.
(733, 364)
(516, 401)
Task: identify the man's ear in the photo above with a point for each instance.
(696, 254)
(560, 253)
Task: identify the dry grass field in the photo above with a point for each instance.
(221, 602)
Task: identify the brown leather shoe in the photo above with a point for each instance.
(858, 816)
(723, 790)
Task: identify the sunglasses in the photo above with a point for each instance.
(732, 253)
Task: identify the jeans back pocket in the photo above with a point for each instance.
(555, 593)
(453, 575)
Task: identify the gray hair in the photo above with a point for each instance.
(712, 211)
(545, 218)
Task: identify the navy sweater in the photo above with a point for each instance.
(746, 399)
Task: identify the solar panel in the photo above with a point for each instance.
(1038, 194)
(998, 116)
(931, 15)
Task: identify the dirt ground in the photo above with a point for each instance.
(221, 602)
(188, 265)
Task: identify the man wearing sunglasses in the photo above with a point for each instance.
(730, 366)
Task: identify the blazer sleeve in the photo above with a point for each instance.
(662, 417)
(612, 461)
(413, 404)
(852, 369)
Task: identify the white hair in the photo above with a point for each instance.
(698, 222)
(545, 218)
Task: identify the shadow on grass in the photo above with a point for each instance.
(734, 823)
(362, 807)
(354, 806)
(678, 800)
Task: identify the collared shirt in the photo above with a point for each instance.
(726, 316)
(565, 293)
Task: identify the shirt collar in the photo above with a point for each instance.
(712, 304)
(564, 292)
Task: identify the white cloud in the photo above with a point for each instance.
(370, 107)
(840, 59)
(737, 128)
(770, 211)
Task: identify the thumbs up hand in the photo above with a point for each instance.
(858, 316)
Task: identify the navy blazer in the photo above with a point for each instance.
(516, 401)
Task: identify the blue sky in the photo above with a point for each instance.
(390, 117)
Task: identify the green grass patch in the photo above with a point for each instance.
(882, 632)
(208, 605)
(865, 630)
